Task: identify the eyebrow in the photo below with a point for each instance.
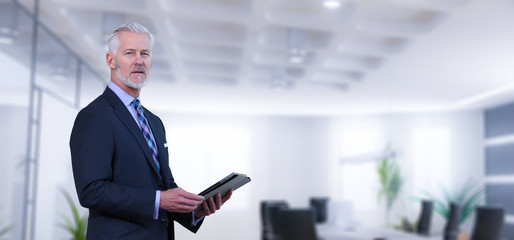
(134, 50)
(131, 49)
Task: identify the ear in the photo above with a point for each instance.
(109, 57)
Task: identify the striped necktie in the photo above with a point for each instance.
(145, 128)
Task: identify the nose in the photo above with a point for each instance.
(139, 59)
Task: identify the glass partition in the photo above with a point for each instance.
(56, 68)
(38, 117)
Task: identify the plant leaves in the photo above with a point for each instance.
(391, 181)
(469, 205)
(468, 196)
(77, 227)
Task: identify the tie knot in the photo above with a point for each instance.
(137, 106)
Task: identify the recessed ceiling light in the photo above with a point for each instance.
(331, 4)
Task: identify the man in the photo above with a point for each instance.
(120, 155)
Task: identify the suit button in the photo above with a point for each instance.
(163, 219)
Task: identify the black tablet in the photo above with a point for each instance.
(232, 181)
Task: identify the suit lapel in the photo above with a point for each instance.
(126, 118)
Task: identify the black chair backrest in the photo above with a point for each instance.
(264, 209)
(320, 207)
(298, 224)
(488, 223)
(269, 218)
(425, 217)
(451, 230)
(275, 220)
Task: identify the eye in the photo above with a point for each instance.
(129, 53)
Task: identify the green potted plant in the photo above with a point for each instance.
(468, 196)
(76, 226)
(391, 183)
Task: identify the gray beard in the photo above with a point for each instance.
(126, 81)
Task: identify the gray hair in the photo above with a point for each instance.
(113, 41)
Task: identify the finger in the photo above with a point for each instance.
(206, 210)
(227, 196)
(193, 196)
(218, 201)
(183, 208)
(212, 206)
(189, 203)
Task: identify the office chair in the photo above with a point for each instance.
(488, 223)
(451, 230)
(269, 218)
(319, 205)
(425, 218)
(298, 224)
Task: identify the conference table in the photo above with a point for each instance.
(334, 232)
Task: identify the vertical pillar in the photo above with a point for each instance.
(33, 132)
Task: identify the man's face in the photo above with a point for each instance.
(133, 60)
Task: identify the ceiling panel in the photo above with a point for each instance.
(368, 49)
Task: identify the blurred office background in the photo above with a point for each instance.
(304, 96)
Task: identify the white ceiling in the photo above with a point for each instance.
(233, 56)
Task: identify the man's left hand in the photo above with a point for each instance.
(213, 204)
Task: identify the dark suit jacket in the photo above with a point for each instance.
(115, 175)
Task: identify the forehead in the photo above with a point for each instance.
(134, 40)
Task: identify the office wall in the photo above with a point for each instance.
(499, 163)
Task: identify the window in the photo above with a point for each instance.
(431, 158)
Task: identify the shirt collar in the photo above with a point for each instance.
(124, 96)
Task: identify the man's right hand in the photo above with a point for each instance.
(180, 201)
